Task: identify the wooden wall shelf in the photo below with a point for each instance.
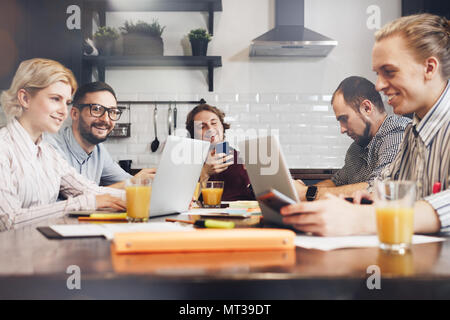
(103, 6)
(101, 62)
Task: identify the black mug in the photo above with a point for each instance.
(125, 165)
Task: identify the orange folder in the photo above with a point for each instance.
(191, 262)
(249, 239)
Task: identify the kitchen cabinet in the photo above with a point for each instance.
(102, 62)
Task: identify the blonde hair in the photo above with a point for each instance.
(426, 34)
(34, 75)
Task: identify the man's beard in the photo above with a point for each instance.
(365, 138)
(86, 133)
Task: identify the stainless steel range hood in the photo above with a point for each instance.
(290, 37)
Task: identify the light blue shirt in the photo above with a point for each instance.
(97, 166)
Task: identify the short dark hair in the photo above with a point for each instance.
(204, 107)
(357, 89)
(91, 87)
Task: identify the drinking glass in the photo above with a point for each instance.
(212, 194)
(394, 207)
(138, 191)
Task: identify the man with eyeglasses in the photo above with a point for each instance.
(94, 113)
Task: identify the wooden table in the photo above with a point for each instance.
(31, 266)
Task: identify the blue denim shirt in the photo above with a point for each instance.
(97, 166)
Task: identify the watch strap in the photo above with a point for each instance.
(311, 193)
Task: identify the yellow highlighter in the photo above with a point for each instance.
(210, 223)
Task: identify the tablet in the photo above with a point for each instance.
(267, 169)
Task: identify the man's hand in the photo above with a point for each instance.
(330, 217)
(108, 201)
(361, 194)
(218, 163)
(146, 173)
(301, 189)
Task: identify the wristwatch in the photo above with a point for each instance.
(311, 193)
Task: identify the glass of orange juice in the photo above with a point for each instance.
(212, 194)
(138, 191)
(394, 208)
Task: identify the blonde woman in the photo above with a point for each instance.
(411, 58)
(32, 173)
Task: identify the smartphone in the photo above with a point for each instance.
(222, 147)
(275, 199)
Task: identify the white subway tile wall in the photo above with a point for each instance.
(309, 133)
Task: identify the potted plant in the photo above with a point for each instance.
(143, 38)
(199, 39)
(104, 40)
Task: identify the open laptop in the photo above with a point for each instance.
(177, 175)
(267, 169)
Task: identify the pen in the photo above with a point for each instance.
(105, 216)
(207, 223)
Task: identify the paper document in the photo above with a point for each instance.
(332, 243)
(78, 230)
(108, 230)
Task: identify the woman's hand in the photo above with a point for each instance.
(108, 201)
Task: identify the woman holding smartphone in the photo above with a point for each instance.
(32, 173)
(411, 58)
(206, 122)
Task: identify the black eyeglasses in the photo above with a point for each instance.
(97, 110)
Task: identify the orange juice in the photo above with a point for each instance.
(395, 225)
(212, 196)
(138, 201)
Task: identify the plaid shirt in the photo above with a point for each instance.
(365, 164)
